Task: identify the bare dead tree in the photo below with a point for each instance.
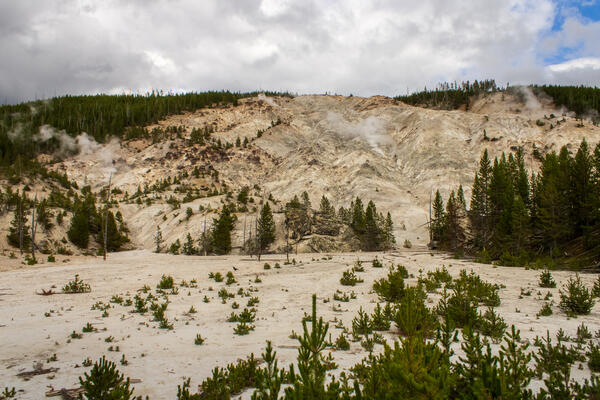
(33, 228)
(20, 221)
(106, 219)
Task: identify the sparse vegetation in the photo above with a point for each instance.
(76, 286)
(575, 298)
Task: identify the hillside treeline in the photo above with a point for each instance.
(449, 96)
(520, 218)
(584, 101)
(100, 116)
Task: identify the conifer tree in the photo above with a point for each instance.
(298, 218)
(452, 230)
(158, 240)
(266, 228)
(221, 232)
(188, 247)
(114, 238)
(358, 217)
(460, 198)
(372, 235)
(388, 233)
(520, 226)
(18, 232)
(582, 192)
(326, 221)
(479, 213)
(79, 230)
(438, 217)
(43, 215)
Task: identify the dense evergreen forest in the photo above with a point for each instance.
(583, 101)
(449, 96)
(100, 116)
(551, 217)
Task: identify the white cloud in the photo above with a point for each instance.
(340, 46)
(577, 64)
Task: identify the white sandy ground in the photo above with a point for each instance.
(27, 336)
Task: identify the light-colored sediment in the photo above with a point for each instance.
(27, 336)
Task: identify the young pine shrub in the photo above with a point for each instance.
(309, 382)
(270, 378)
(546, 279)
(492, 325)
(341, 343)
(576, 298)
(105, 382)
(230, 279)
(349, 278)
(243, 328)
(596, 288)
(462, 306)
(545, 311)
(377, 263)
(379, 322)
(76, 286)
(594, 358)
(583, 334)
(166, 282)
(391, 289)
(361, 324)
(198, 340)
(412, 316)
(224, 382)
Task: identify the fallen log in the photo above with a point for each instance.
(37, 371)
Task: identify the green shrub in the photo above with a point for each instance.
(407, 244)
(105, 382)
(435, 279)
(243, 329)
(545, 311)
(230, 279)
(267, 266)
(391, 289)
(358, 267)
(462, 306)
(377, 263)
(492, 325)
(349, 278)
(224, 295)
(379, 321)
(139, 304)
(576, 298)
(594, 358)
(546, 280)
(361, 324)
(199, 340)
(341, 343)
(229, 381)
(412, 316)
(484, 257)
(76, 286)
(583, 334)
(166, 282)
(596, 288)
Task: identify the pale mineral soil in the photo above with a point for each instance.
(161, 358)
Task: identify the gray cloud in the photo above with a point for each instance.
(340, 46)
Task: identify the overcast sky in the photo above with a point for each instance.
(55, 47)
